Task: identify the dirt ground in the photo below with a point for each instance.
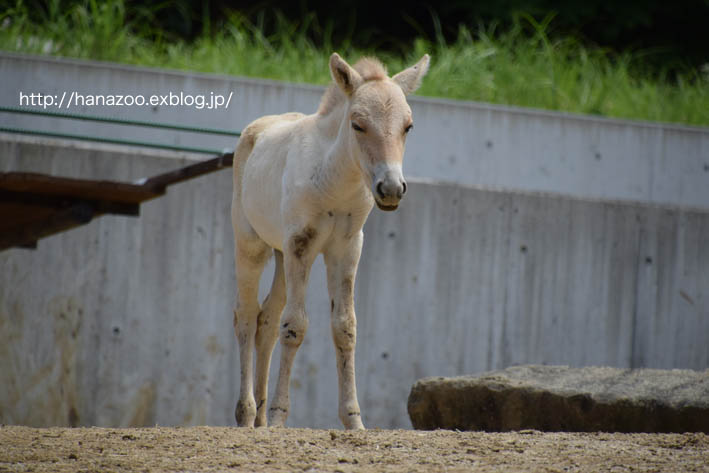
(232, 449)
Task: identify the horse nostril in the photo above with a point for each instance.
(403, 191)
(380, 191)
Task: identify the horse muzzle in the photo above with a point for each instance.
(388, 189)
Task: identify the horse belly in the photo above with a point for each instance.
(261, 199)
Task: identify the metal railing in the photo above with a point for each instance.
(116, 121)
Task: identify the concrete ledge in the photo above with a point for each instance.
(559, 398)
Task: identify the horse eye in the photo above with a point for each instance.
(408, 128)
(356, 127)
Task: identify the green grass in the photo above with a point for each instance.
(521, 66)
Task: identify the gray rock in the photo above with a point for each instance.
(559, 398)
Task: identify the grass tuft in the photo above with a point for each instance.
(521, 66)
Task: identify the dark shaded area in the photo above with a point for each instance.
(674, 34)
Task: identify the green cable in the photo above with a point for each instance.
(113, 141)
(119, 121)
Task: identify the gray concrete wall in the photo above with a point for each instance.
(453, 141)
(128, 321)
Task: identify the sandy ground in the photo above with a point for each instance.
(232, 449)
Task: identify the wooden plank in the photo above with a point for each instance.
(31, 201)
(41, 184)
(159, 182)
(33, 206)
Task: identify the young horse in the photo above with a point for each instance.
(304, 185)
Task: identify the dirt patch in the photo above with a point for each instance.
(225, 449)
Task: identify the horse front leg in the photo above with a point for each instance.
(341, 261)
(300, 249)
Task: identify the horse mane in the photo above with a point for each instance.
(369, 68)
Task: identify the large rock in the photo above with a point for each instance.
(559, 398)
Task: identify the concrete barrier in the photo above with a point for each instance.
(128, 321)
(453, 141)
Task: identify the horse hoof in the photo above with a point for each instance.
(245, 413)
(277, 417)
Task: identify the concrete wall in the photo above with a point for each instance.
(128, 321)
(453, 141)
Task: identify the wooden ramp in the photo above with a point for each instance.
(34, 206)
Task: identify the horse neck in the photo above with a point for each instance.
(339, 166)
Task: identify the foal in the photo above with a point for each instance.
(304, 185)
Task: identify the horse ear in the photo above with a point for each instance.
(344, 75)
(410, 79)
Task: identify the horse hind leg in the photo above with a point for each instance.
(251, 256)
(267, 336)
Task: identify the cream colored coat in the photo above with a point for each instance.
(304, 185)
